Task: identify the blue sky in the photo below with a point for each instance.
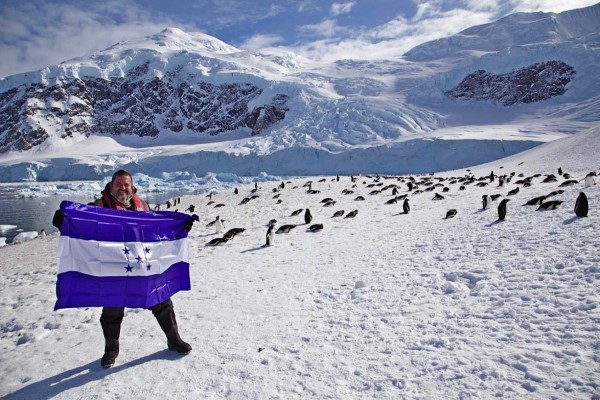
(38, 33)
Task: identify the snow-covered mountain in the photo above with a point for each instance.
(218, 108)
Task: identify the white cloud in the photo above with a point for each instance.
(341, 8)
(37, 35)
(258, 42)
(326, 28)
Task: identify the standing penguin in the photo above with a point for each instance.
(589, 179)
(406, 206)
(485, 199)
(307, 216)
(581, 205)
(502, 209)
(270, 234)
(219, 227)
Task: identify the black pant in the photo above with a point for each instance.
(112, 317)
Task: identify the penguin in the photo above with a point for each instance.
(549, 205)
(492, 176)
(168, 203)
(351, 214)
(285, 228)
(560, 171)
(406, 206)
(327, 200)
(316, 227)
(502, 209)
(410, 186)
(393, 200)
(219, 227)
(569, 182)
(235, 191)
(485, 200)
(210, 203)
(270, 236)
(230, 234)
(276, 196)
(501, 181)
(438, 197)
(549, 178)
(294, 213)
(329, 203)
(191, 208)
(451, 213)
(555, 193)
(513, 192)
(217, 241)
(338, 213)
(535, 201)
(581, 205)
(307, 217)
(394, 191)
(589, 179)
(359, 198)
(43, 231)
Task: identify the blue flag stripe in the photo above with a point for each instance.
(105, 224)
(74, 289)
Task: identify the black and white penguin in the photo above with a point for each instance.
(555, 193)
(451, 213)
(307, 217)
(338, 213)
(536, 201)
(359, 198)
(329, 203)
(502, 209)
(549, 205)
(393, 200)
(394, 191)
(410, 186)
(560, 171)
(513, 192)
(235, 191)
(285, 228)
(219, 227)
(569, 182)
(294, 213)
(316, 227)
(351, 214)
(270, 237)
(501, 181)
(406, 206)
(589, 179)
(230, 234)
(191, 208)
(581, 205)
(168, 204)
(438, 197)
(217, 241)
(485, 201)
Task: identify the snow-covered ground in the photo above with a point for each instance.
(384, 305)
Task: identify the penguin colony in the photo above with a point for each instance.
(397, 192)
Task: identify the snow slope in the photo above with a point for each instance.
(385, 305)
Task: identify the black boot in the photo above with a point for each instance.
(111, 328)
(111, 351)
(165, 315)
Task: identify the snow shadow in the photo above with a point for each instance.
(55, 385)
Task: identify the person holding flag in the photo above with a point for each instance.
(117, 253)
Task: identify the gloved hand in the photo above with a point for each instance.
(58, 219)
(190, 222)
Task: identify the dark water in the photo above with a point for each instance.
(34, 214)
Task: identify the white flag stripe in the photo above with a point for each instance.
(103, 259)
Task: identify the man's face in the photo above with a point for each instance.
(122, 188)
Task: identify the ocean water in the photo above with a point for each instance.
(34, 214)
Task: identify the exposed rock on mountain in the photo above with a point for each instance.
(537, 82)
(131, 106)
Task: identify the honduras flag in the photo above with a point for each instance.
(120, 258)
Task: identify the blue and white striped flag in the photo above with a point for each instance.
(119, 258)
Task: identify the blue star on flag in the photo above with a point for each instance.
(126, 250)
(129, 268)
(139, 259)
(147, 250)
(148, 267)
